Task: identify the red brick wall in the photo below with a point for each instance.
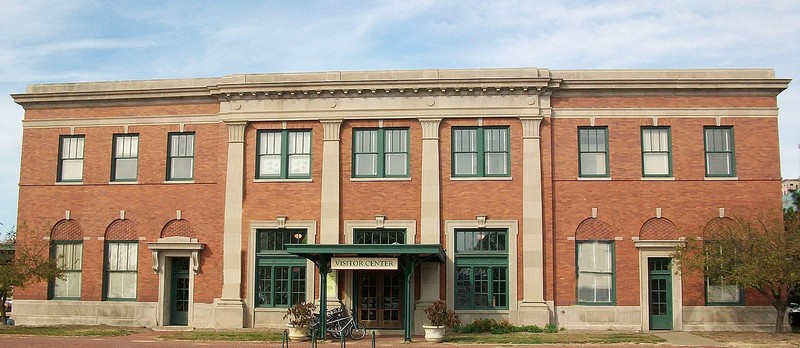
(149, 204)
(627, 202)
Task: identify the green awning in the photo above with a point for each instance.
(428, 252)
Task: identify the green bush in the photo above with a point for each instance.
(502, 327)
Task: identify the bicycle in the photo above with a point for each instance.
(338, 324)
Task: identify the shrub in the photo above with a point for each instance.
(301, 314)
(439, 315)
(502, 327)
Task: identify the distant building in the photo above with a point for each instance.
(531, 195)
(788, 187)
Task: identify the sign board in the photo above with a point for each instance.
(364, 263)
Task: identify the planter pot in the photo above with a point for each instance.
(298, 333)
(434, 333)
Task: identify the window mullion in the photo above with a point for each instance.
(381, 171)
(481, 154)
(284, 154)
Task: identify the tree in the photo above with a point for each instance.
(762, 254)
(29, 262)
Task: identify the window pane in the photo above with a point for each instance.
(723, 293)
(366, 164)
(496, 163)
(299, 165)
(718, 163)
(181, 168)
(586, 283)
(70, 286)
(593, 163)
(270, 165)
(125, 169)
(656, 163)
(603, 284)
(72, 169)
(463, 286)
(396, 164)
(272, 143)
(466, 163)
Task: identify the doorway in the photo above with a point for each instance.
(179, 293)
(379, 299)
(660, 293)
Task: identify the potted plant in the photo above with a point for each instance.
(440, 318)
(299, 317)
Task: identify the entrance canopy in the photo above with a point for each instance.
(409, 256)
(421, 252)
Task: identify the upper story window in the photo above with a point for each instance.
(125, 161)
(481, 265)
(593, 151)
(656, 151)
(180, 153)
(480, 151)
(595, 272)
(380, 153)
(70, 158)
(284, 154)
(69, 257)
(720, 159)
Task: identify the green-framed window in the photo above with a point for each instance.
(70, 158)
(280, 277)
(595, 272)
(122, 262)
(380, 153)
(180, 156)
(481, 267)
(283, 154)
(69, 257)
(379, 236)
(656, 152)
(720, 291)
(593, 152)
(125, 157)
(480, 152)
(719, 148)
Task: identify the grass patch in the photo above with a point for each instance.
(751, 337)
(88, 331)
(224, 335)
(563, 337)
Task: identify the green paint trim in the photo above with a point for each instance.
(669, 151)
(284, 170)
(114, 157)
(381, 153)
(607, 153)
(107, 273)
(51, 285)
(480, 152)
(61, 154)
(170, 157)
(732, 151)
(613, 292)
(311, 251)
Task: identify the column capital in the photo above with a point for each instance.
(430, 128)
(236, 131)
(331, 129)
(530, 127)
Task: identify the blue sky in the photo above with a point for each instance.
(70, 41)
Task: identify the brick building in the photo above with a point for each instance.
(533, 195)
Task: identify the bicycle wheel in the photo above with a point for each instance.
(335, 332)
(358, 331)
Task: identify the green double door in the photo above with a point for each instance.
(660, 293)
(179, 292)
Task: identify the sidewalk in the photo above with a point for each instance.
(150, 340)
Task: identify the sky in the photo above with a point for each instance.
(73, 41)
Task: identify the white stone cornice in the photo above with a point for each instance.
(236, 131)
(531, 127)
(430, 128)
(663, 112)
(331, 129)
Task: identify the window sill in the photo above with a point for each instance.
(283, 180)
(658, 178)
(68, 183)
(481, 178)
(605, 178)
(481, 311)
(179, 181)
(380, 179)
(721, 178)
(597, 304)
(271, 309)
(123, 182)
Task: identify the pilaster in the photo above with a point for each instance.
(329, 220)
(430, 222)
(229, 309)
(537, 311)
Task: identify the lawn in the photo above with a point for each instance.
(91, 331)
(224, 335)
(562, 337)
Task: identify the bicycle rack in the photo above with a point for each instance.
(373, 338)
(313, 340)
(285, 339)
(344, 340)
